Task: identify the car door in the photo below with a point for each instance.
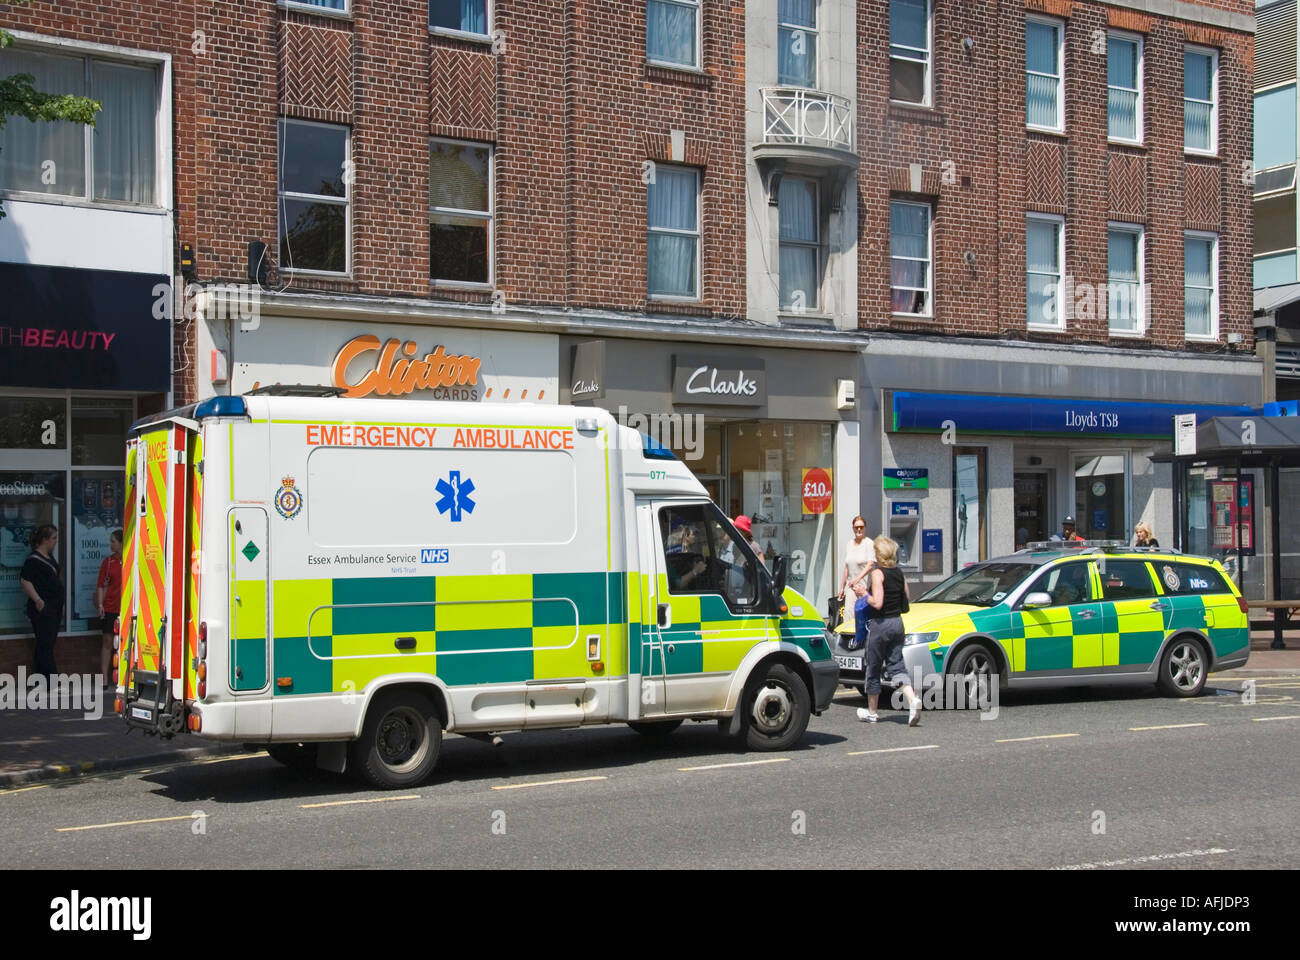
(651, 655)
(1067, 635)
(1133, 613)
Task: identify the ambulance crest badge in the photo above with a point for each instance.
(288, 501)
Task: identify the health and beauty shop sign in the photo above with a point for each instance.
(817, 490)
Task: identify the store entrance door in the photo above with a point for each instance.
(1033, 506)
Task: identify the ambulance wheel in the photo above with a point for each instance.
(974, 666)
(654, 728)
(1183, 668)
(298, 756)
(400, 741)
(775, 709)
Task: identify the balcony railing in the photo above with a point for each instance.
(807, 117)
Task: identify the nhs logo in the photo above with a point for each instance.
(435, 555)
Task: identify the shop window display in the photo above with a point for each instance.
(27, 500)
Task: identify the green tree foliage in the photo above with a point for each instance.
(20, 98)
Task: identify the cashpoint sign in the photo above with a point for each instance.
(905, 508)
(909, 478)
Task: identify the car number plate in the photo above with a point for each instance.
(849, 663)
(141, 713)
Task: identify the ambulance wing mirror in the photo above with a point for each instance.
(1036, 600)
(779, 568)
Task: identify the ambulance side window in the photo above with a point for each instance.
(688, 558)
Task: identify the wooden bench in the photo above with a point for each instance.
(1281, 621)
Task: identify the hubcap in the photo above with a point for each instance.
(772, 708)
(401, 741)
(976, 667)
(1186, 666)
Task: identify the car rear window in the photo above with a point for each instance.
(1183, 579)
(1125, 580)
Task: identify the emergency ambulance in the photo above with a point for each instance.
(344, 580)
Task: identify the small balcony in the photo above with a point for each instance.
(798, 122)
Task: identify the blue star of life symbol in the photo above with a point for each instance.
(455, 496)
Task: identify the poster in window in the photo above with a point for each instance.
(966, 492)
(1232, 519)
(96, 513)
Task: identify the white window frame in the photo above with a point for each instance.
(815, 30)
(1140, 231)
(490, 216)
(163, 156)
(1140, 126)
(485, 37)
(1059, 27)
(698, 65)
(697, 233)
(928, 62)
(1214, 100)
(308, 6)
(1059, 222)
(1213, 239)
(346, 201)
(816, 245)
(929, 274)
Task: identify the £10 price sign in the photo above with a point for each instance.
(816, 489)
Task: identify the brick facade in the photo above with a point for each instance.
(983, 170)
(564, 94)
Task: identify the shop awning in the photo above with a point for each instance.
(1252, 441)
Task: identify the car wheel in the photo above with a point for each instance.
(298, 756)
(1183, 668)
(973, 668)
(654, 728)
(400, 741)
(775, 709)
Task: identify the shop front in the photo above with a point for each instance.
(81, 356)
(968, 473)
(771, 433)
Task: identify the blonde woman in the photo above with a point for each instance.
(888, 597)
(1145, 536)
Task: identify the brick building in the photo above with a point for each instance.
(730, 217)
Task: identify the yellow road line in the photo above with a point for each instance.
(858, 753)
(1171, 726)
(743, 763)
(344, 803)
(1294, 716)
(546, 783)
(126, 823)
(1046, 736)
(39, 786)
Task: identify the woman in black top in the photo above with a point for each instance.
(885, 632)
(42, 581)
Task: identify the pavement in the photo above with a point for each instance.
(51, 744)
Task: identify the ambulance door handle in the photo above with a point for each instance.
(1158, 605)
(671, 648)
(404, 643)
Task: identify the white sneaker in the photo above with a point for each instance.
(914, 713)
(866, 717)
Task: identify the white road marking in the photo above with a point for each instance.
(242, 756)
(1153, 858)
(126, 823)
(859, 753)
(546, 783)
(1046, 736)
(1293, 716)
(743, 763)
(344, 803)
(1171, 726)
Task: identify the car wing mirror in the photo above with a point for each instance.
(1036, 600)
(780, 566)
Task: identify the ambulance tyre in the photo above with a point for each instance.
(400, 741)
(1183, 668)
(775, 709)
(977, 669)
(654, 728)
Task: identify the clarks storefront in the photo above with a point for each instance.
(771, 432)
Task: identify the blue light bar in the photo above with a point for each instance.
(221, 407)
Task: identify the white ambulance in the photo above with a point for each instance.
(345, 579)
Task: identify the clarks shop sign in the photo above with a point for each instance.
(719, 380)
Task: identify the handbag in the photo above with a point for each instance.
(834, 612)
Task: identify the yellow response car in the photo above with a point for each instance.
(1072, 616)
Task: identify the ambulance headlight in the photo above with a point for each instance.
(914, 638)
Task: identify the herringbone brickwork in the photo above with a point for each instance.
(1126, 178)
(315, 61)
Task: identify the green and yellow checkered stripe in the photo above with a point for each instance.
(337, 635)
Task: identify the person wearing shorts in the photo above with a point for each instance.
(888, 598)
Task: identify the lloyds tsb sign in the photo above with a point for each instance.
(719, 380)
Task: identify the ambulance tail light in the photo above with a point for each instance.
(1243, 605)
(201, 664)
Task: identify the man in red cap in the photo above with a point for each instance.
(743, 524)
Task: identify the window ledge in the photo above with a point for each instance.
(1203, 339)
(912, 316)
(1048, 131)
(471, 286)
(27, 197)
(653, 300)
(317, 274)
(655, 69)
(1127, 334)
(1131, 144)
(1202, 154)
(903, 106)
(482, 38)
(1042, 328)
(311, 8)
